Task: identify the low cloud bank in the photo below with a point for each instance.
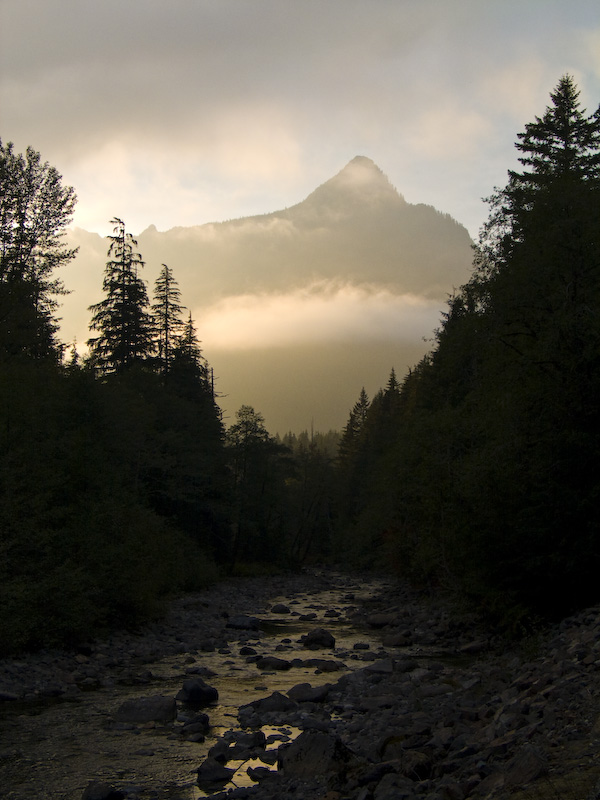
(320, 312)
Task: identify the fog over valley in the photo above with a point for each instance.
(299, 308)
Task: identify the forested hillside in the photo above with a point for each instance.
(477, 471)
(480, 470)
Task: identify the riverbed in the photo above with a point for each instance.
(52, 747)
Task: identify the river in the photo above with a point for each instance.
(54, 747)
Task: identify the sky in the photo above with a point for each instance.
(181, 112)
(185, 112)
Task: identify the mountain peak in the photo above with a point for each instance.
(360, 182)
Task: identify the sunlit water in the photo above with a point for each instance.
(54, 749)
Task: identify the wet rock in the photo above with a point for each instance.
(213, 772)
(196, 693)
(384, 666)
(196, 727)
(280, 608)
(220, 751)
(313, 753)
(323, 664)
(318, 639)
(259, 773)
(247, 745)
(274, 702)
(147, 709)
(305, 693)
(272, 662)
(243, 622)
(98, 790)
(381, 620)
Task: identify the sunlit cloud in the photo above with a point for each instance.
(321, 312)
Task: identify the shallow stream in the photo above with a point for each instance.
(53, 749)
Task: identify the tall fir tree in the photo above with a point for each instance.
(123, 320)
(189, 371)
(168, 324)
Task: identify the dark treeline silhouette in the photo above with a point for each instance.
(118, 483)
(478, 471)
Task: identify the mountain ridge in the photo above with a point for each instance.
(340, 277)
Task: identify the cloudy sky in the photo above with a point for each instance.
(180, 112)
(185, 112)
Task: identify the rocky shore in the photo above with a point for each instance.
(385, 694)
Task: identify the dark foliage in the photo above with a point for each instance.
(482, 473)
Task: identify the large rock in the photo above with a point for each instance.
(305, 693)
(147, 709)
(381, 620)
(313, 753)
(98, 790)
(272, 662)
(242, 622)
(196, 693)
(212, 772)
(195, 727)
(321, 664)
(318, 639)
(526, 766)
(274, 702)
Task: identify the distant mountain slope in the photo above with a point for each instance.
(355, 227)
(299, 308)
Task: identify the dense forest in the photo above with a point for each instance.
(477, 472)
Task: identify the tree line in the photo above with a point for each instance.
(118, 481)
(477, 471)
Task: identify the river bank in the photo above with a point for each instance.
(410, 700)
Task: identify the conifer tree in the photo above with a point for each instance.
(168, 324)
(189, 371)
(35, 208)
(354, 426)
(122, 319)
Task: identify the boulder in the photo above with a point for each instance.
(381, 620)
(98, 790)
(318, 639)
(197, 694)
(213, 772)
(280, 608)
(277, 703)
(195, 727)
(259, 773)
(305, 693)
(526, 766)
(274, 702)
(247, 745)
(313, 753)
(147, 709)
(272, 662)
